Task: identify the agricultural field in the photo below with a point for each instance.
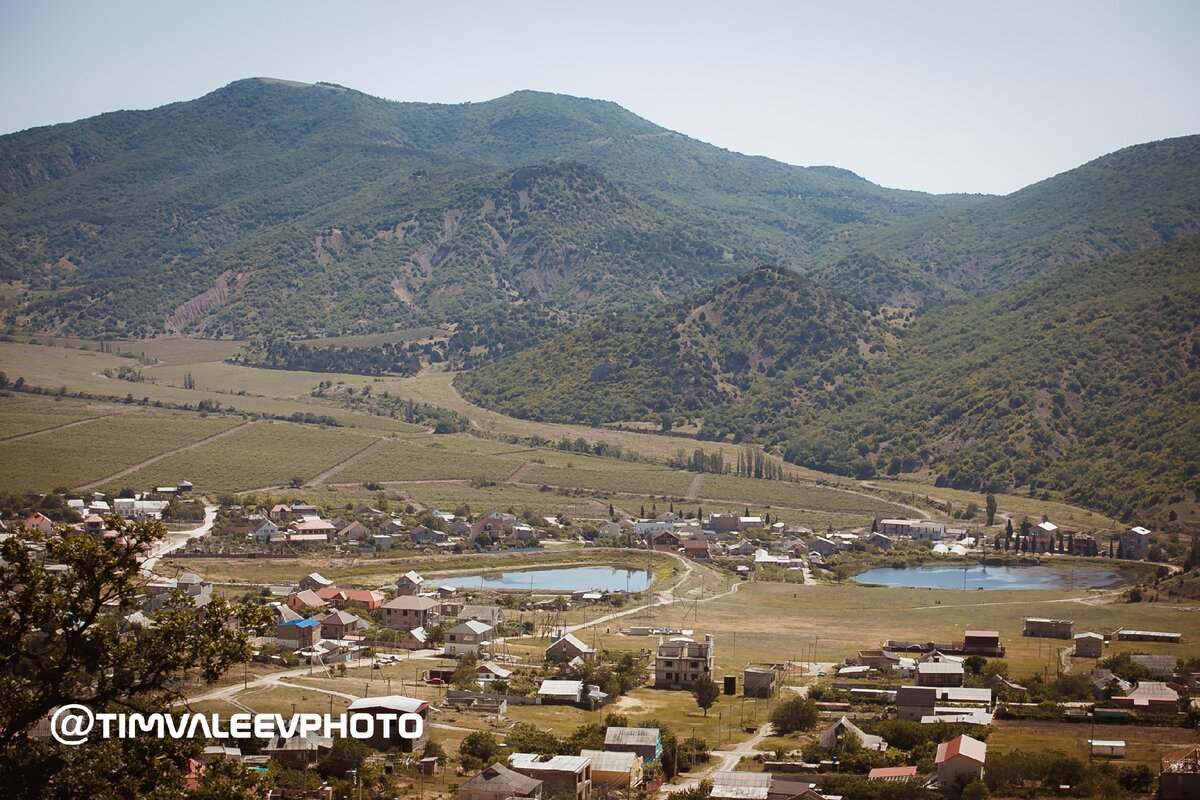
(217, 376)
(179, 351)
(21, 413)
(628, 477)
(406, 460)
(73, 457)
(793, 495)
(164, 350)
(272, 392)
(503, 497)
(1016, 506)
(455, 457)
(262, 454)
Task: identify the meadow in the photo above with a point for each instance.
(1143, 744)
(384, 568)
(776, 622)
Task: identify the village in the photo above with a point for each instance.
(484, 665)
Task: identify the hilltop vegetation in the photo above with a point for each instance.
(276, 210)
(720, 360)
(1081, 381)
(1124, 202)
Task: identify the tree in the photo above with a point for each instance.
(345, 755)
(586, 737)
(706, 692)
(991, 508)
(795, 714)
(478, 748)
(527, 738)
(465, 675)
(975, 790)
(62, 642)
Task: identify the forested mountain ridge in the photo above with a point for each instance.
(689, 361)
(1083, 380)
(1126, 201)
(274, 209)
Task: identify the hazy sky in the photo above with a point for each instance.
(936, 96)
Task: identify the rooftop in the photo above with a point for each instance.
(632, 736)
(534, 762)
(962, 745)
(391, 702)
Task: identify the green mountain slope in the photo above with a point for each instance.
(1084, 380)
(1126, 201)
(275, 209)
(725, 354)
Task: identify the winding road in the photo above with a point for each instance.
(177, 539)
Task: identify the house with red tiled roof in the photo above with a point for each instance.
(338, 597)
(493, 522)
(960, 756)
(307, 599)
(892, 774)
(40, 521)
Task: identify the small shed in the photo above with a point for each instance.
(758, 682)
(1089, 645)
(1107, 748)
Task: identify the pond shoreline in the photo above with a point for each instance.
(1002, 577)
(599, 577)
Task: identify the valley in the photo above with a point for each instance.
(297, 384)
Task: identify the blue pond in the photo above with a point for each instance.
(556, 579)
(981, 577)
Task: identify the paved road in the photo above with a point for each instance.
(177, 539)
